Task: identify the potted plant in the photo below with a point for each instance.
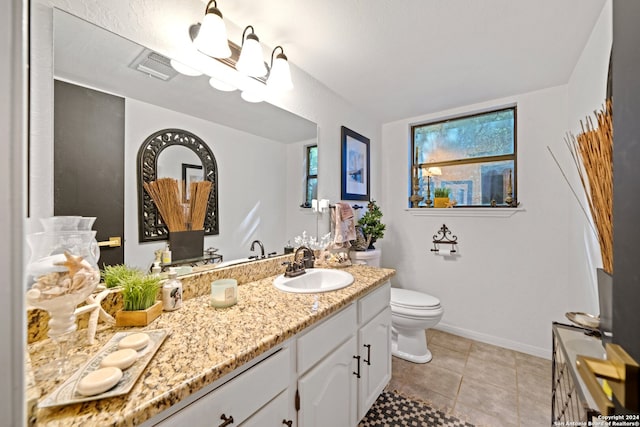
(441, 197)
(139, 293)
(114, 276)
(370, 223)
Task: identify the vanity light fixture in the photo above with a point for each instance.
(245, 61)
(212, 37)
(280, 75)
(184, 69)
(250, 62)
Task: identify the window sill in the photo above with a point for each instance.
(465, 212)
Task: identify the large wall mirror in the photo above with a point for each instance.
(259, 147)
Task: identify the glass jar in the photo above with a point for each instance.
(62, 272)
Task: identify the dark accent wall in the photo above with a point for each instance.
(626, 175)
(88, 176)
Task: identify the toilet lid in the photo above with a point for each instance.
(413, 299)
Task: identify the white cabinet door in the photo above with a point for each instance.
(328, 392)
(280, 412)
(374, 346)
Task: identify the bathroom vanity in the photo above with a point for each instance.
(275, 358)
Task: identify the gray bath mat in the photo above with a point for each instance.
(392, 409)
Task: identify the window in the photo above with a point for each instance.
(311, 174)
(473, 156)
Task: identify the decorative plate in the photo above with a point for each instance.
(67, 394)
(585, 320)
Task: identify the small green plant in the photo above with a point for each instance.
(116, 275)
(139, 292)
(370, 222)
(442, 192)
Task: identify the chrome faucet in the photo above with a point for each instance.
(253, 245)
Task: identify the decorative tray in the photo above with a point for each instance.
(585, 320)
(66, 393)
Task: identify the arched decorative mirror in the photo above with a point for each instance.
(181, 155)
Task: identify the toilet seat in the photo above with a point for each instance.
(405, 298)
(414, 305)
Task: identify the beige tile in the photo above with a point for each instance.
(532, 365)
(480, 383)
(541, 376)
(450, 341)
(446, 358)
(534, 387)
(427, 377)
(490, 372)
(417, 392)
(534, 413)
(482, 419)
(532, 361)
(493, 353)
(488, 398)
(431, 333)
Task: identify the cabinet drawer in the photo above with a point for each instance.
(374, 303)
(240, 397)
(325, 337)
(274, 413)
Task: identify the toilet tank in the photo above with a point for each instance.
(370, 257)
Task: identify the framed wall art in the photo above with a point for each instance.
(355, 166)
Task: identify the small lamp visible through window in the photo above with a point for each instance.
(433, 171)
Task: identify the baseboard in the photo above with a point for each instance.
(501, 342)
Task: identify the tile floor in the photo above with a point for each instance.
(477, 382)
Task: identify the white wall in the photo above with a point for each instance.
(249, 168)
(510, 278)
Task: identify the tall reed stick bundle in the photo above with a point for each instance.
(165, 193)
(199, 202)
(592, 152)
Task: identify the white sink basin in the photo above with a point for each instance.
(314, 280)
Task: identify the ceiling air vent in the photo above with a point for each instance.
(154, 64)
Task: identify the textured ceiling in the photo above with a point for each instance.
(398, 59)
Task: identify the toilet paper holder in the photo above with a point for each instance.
(444, 236)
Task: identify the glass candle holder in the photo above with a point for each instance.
(224, 293)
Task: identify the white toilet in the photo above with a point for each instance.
(412, 313)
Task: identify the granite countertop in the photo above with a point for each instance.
(204, 345)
